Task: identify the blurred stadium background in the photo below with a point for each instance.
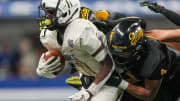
(20, 47)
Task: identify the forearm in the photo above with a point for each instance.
(166, 35)
(139, 92)
(172, 16)
(103, 75)
(146, 92)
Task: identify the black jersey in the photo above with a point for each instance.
(158, 60)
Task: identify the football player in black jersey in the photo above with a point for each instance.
(151, 68)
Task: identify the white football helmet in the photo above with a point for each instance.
(64, 10)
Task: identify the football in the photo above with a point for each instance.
(55, 53)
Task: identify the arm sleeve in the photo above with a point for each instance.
(155, 75)
(172, 16)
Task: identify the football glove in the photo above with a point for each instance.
(82, 95)
(49, 68)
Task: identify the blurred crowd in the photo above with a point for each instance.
(19, 63)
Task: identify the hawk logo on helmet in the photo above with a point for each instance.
(135, 37)
(85, 13)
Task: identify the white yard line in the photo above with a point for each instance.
(36, 94)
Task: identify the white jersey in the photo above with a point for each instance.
(85, 42)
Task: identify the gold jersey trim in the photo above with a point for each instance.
(86, 68)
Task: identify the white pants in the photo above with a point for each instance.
(107, 93)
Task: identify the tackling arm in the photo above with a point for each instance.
(166, 35)
(145, 93)
(172, 16)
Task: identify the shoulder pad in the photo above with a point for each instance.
(78, 25)
(77, 29)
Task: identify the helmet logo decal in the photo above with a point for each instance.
(135, 37)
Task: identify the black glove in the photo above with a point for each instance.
(86, 81)
(152, 6)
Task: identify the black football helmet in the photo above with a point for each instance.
(125, 42)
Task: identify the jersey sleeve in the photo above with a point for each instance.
(94, 43)
(159, 72)
(155, 62)
(49, 39)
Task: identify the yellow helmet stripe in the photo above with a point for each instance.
(119, 47)
(111, 35)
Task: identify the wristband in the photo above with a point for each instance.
(123, 85)
(93, 88)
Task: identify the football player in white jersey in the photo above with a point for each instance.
(86, 44)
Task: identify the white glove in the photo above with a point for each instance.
(48, 68)
(82, 95)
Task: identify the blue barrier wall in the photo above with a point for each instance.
(36, 83)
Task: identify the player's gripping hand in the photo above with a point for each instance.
(82, 95)
(48, 68)
(153, 6)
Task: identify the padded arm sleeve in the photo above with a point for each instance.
(172, 16)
